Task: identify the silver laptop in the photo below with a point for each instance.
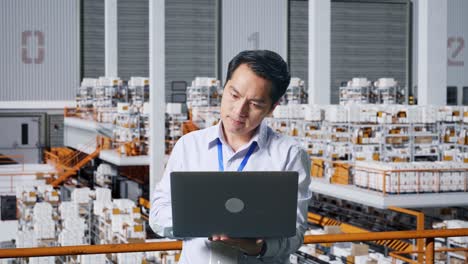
(237, 204)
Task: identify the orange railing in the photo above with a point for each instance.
(317, 219)
(428, 235)
(18, 169)
(400, 247)
(50, 157)
(419, 225)
(58, 155)
(68, 165)
(73, 158)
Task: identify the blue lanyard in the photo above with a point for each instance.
(244, 161)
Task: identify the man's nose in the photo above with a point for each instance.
(242, 108)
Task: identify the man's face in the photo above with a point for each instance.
(246, 101)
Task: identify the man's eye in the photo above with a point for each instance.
(234, 96)
(257, 105)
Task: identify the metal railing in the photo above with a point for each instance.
(428, 235)
(16, 170)
(419, 226)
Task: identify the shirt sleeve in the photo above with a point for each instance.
(161, 208)
(277, 248)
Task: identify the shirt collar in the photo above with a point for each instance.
(260, 136)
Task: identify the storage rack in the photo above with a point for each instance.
(144, 130)
(84, 98)
(295, 93)
(312, 138)
(425, 142)
(377, 133)
(449, 147)
(138, 92)
(356, 95)
(389, 92)
(175, 118)
(357, 91)
(127, 130)
(204, 91)
(361, 91)
(339, 141)
(396, 145)
(366, 140)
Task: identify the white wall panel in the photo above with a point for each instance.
(18, 141)
(432, 52)
(157, 73)
(457, 45)
(319, 55)
(253, 24)
(39, 50)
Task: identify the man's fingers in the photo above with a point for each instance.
(219, 237)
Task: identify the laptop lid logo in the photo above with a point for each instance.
(234, 205)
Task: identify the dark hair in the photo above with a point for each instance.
(266, 64)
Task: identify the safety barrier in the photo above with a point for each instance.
(428, 235)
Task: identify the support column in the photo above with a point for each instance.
(110, 38)
(429, 250)
(319, 51)
(157, 90)
(432, 52)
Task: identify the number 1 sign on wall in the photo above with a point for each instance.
(254, 40)
(28, 36)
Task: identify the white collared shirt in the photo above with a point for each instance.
(197, 151)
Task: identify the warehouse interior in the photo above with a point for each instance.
(97, 92)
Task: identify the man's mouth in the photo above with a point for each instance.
(237, 121)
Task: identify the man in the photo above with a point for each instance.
(255, 82)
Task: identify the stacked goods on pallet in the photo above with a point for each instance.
(73, 226)
(388, 133)
(412, 177)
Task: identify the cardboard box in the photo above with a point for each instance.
(359, 249)
(423, 140)
(341, 173)
(456, 261)
(317, 168)
(332, 230)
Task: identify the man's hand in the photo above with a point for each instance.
(251, 247)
